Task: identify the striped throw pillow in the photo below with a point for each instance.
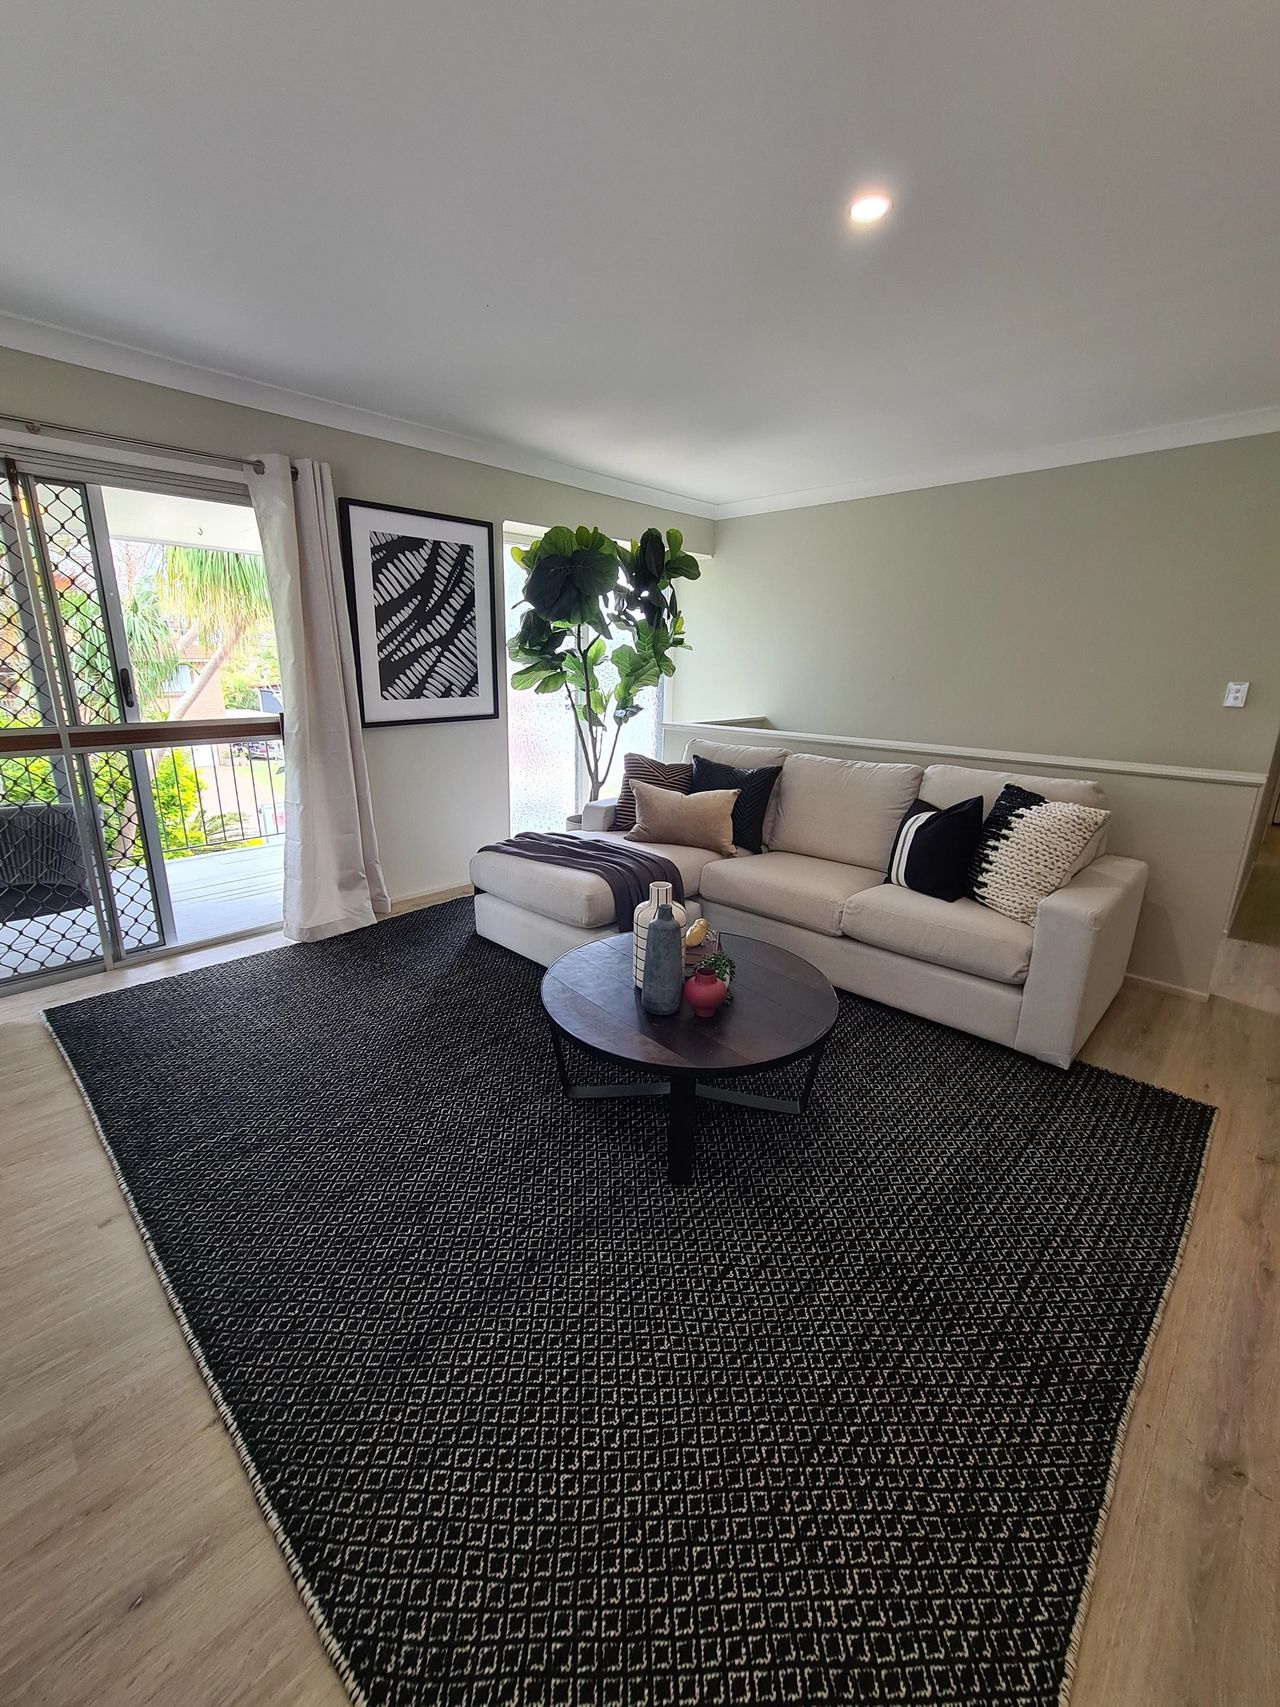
(933, 849)
(637, 768)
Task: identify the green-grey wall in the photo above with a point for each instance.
(1096, 611)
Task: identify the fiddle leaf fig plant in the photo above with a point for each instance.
(589, 601)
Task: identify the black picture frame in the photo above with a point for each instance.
(356, 520)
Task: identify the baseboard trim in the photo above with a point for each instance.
(432, 898)
(1168, 989)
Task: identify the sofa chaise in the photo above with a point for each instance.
(819, 889)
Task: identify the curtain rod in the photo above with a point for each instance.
(56, 428)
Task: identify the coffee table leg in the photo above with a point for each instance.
(682, 1114)
(815, 1061)
(562, 1071)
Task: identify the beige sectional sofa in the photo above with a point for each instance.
(819, 889)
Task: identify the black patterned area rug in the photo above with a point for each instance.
(835, 1423)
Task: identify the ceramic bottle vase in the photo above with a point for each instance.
(663, 987)
(645, 913)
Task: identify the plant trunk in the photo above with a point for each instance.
(591, 736)
(208, 671)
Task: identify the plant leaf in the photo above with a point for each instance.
(681, 565)
(530, 676)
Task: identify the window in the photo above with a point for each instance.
(548, 779)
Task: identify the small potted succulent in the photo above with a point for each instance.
(708, 989)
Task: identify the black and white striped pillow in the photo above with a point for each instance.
(636, 767)
(934, 847)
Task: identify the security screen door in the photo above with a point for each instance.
(82, 880)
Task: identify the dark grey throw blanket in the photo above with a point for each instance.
(626, 868)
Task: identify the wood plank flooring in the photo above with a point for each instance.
(137, 1569)
(1258, 916)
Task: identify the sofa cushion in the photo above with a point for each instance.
(945, 784)
(842, 809)
(689, 862)
(794, 888)
(574, 897)
(959, 934)
(741, 756)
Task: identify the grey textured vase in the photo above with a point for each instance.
(663, 985)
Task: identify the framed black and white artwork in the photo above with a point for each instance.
(423, 621)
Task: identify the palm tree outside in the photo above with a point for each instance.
(198, 624)
(178, 597)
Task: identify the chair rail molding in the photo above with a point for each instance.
(723, 726)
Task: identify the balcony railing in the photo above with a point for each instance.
(211, 797)
(185, 838)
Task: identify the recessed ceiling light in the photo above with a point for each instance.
(867, 209)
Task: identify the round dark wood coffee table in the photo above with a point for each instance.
(782, 1011)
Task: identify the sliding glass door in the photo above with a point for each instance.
(114, 770)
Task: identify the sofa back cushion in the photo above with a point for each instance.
(945, 784)
(841, 809)
(742, 756)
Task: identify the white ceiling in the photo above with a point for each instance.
(611, 233)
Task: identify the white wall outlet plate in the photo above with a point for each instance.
(1236, 694)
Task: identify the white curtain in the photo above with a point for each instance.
(332, 877)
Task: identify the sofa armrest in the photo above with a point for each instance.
(598, 814)
(1083, 935)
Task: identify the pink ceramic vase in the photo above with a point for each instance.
(705, 993)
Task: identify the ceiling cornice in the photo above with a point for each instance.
(1210, 430)
(60, 344)
(35, 338)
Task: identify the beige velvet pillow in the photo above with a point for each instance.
(690, 820)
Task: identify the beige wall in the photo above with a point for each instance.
(1096, 611)
(439, 791)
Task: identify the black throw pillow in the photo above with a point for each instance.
(754, 789)
(933, 848)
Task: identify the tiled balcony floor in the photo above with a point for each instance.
(213, 895)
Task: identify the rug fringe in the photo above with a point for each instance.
(332, 1646)
(1117, 1451)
